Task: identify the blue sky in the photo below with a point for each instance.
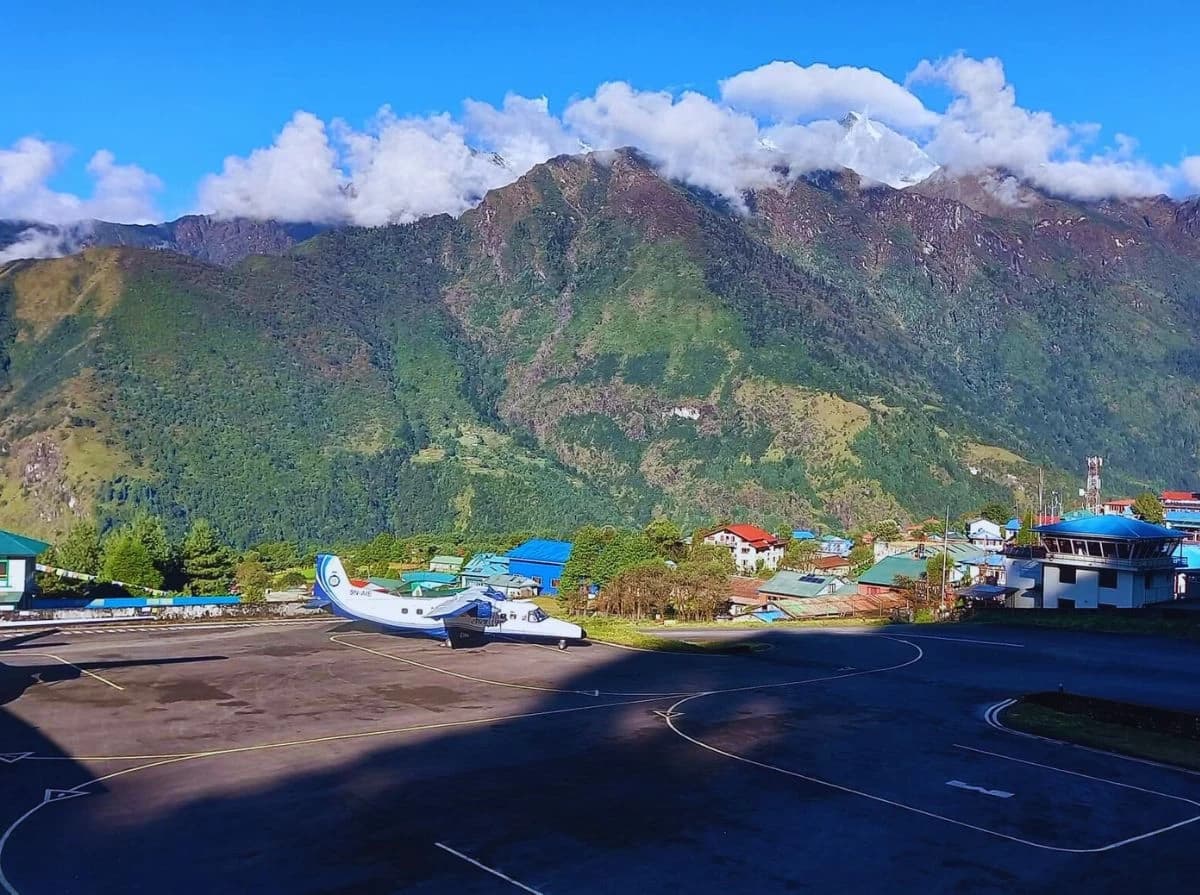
(176, 91)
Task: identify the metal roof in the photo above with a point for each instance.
(511, 581)
(13, 544)
(885, 572)
(795, 584)
(1121, 527)
(542, 550)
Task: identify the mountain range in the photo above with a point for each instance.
(596, 343)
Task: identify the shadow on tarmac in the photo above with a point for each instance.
(577, 799)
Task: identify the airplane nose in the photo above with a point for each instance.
(582, 634)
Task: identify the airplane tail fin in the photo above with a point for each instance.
(332, 584)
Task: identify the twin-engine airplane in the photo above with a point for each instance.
(478, 613)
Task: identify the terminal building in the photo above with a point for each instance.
(1094, 562)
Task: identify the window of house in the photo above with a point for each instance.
(3, 571)
(1066, 574)
(554, 582)
(1108, 578)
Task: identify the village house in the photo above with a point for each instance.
(750, 546)
(986, 534)
(542, 560)
(18, 555)
(447, 563)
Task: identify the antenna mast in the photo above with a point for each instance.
(1091, 497)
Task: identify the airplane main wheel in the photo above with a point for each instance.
(562, 644)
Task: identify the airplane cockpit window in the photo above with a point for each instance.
(537, 616)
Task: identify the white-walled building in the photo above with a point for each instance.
(985, 534)
(1097, 561)
(750, 546)
(18, 557)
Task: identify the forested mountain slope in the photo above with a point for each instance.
(595, 343)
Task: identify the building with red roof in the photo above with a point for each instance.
(750, 546)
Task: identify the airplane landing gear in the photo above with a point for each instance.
(562, 644)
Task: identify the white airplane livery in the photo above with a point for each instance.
(478, 612)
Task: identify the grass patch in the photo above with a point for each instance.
(1185, 624)
(625, 632)
(1094, 722)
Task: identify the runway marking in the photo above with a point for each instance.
(483, 680)
(960, 640)
(493, 871)
(992, 717)
(14, 757)
(911, 808)
(997, 793)
(92, 674)
(59, 795)
(81, 789)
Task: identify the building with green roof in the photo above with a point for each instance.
(18, 555)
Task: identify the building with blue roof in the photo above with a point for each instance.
(482, 566)
(1097, 561)
(803, 534)
(832, 545)
(542, 560)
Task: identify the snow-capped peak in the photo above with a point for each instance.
(878, 153)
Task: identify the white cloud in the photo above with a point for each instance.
(777, 117)
(522, 131)
(296, 178)
(691, 138)
(789, 92)
(1190, 169)
(123, 193)
(984, 128)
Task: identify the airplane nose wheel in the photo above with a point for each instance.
(562, 644)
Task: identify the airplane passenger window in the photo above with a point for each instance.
(404, 612)
(420, 612)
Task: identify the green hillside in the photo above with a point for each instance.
(595, 344)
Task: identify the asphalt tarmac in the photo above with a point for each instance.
(325, 758)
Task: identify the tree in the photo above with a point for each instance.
(994, 511)
(153, 534)
(128, 560)
(936, 566)
(1148, 508)
(666, 538)
(711, 555)
(801, 555)
(887, 531)
(79, 551)
(252, 579)
(1026, 536)
(207, 563)
(862, 557)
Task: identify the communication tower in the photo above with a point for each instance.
(1091, 496)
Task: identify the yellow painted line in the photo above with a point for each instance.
(369, 734)
(102, 680)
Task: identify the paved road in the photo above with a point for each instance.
(318, 759)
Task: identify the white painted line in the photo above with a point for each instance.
(493, 871)
(59, 795)
(14, 757)
(672, 711)
(960, 640)
(992, 717)
(997, 793)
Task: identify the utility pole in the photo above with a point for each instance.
(945, 555)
